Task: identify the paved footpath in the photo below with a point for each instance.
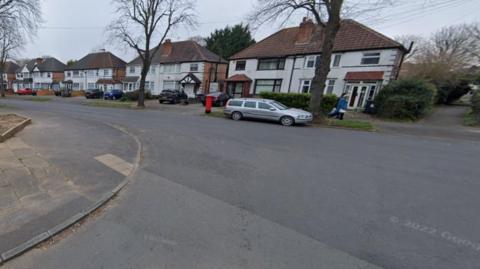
(45, 178)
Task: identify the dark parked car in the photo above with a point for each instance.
(93, 94)
(172, 97)
(113, 94)
(219, 98)
(26, 91)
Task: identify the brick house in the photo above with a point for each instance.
(45, 73)
(179, 65)
(9, 74)
(363, 61)
(99, 70)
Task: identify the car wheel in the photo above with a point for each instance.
(237, 116)
(113, 98)
(287, 121)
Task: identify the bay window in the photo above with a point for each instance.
(267, 85)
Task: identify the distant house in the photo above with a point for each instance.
(40, 74)
(179, 65)
(9, 74)
(363, 61)
(100, 70)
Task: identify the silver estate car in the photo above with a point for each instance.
(265, 109)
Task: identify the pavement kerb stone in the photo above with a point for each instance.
(15, 129)
(24, 247)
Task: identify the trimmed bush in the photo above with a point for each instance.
(301, 100)
(133, 96)
(405, 99)
(296, 100)
(476, 105)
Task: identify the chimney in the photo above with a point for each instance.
(38, 61)
(167, 47)
(305, 32)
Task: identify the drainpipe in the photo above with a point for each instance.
(403, 57)
(291, 73)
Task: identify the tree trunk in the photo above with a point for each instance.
(141, 90)
(2, 89)
(322, 70)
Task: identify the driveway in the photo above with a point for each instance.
(214, 193)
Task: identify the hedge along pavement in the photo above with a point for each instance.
(301, 100)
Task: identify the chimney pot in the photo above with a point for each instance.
(167, 47)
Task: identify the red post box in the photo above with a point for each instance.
(208, 104)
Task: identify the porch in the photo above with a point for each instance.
(238, 86)
(362, 87)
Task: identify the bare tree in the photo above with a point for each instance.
(18, 19)
(327, 15)
(10, 41)
(474, 30)
(417, 43)
(144, 25)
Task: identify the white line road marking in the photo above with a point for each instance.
(116, 163)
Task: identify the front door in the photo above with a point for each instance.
(353, 96)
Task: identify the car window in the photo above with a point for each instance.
(279, 105)
(264, 106)
(235, 103)
(250, 104)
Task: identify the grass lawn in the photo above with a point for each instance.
(470, 120)
(351, 124)
(38, 98)
(111, 104)
(218, 114)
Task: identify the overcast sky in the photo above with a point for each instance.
(73, 28)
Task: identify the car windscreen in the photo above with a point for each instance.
(279, 105)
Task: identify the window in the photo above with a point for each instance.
(371, 58)
(76, 73)
(69, 74)
(250, 104)
(267, 85)
(152, 69)
(193, 67)
(170, 85)
(49, 75)
(106, 72)
(240, 65)
(271, 64)
(171, 68)
(76, 86)
(235, 103)
(264, 106)
(91, 73)
(330, 86)
(306, 86)
(312, 61)
(131, 69)
(92, 86)
(336, 60)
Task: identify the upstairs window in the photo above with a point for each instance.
(106, 72)
(336, 60)
(371, 58)
(49, 75)
(312, 61)
(131, 69)
(193, 67)
(240, 65)
(271, 64)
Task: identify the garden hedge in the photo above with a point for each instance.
(405, 99)
(301, 100)
(476, 105)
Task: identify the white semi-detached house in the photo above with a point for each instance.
(44, 73)
(363, 61)
(98, 70)
(183, 65)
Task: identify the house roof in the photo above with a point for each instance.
(238, 78)
(10, 67)
(98, 60)
(362, 76)
(46, 64)
(183, 51)
(130, 79)
(352, 36)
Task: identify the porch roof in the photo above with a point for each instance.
(108, 81)
(190, 79)
(363, 76)
(239, 78)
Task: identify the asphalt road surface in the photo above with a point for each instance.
(214, 193)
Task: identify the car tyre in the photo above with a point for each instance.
(287, 121)
(237, 116)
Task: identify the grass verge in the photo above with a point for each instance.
(217, 114)
(37, 99)
(470, 120)
(351, 124)
(111, 104)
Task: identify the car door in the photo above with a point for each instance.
(266, 111)
(250, 109)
